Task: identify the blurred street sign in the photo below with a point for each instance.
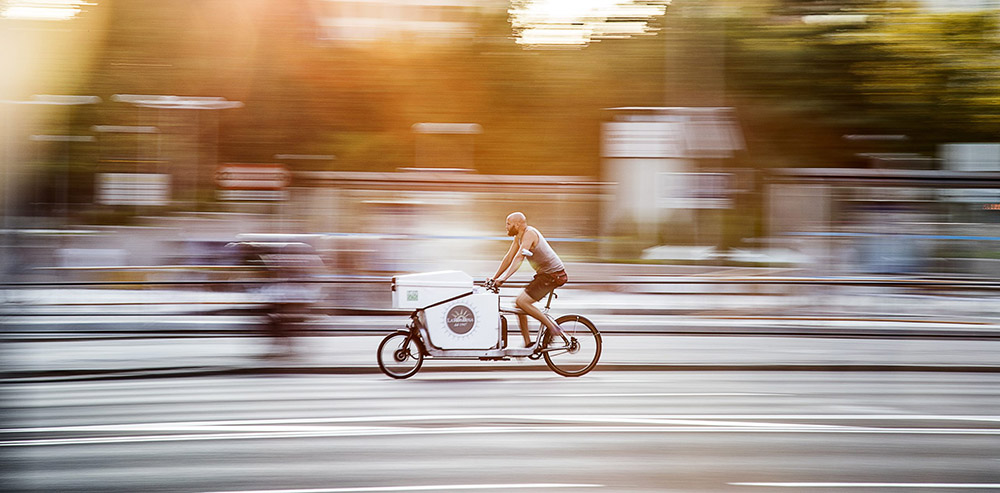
(133, 189)
(252, 176)
(140, 98)
(125, 129)
(643, 140)
(305, 157)
(62, 138)
(252, 181)
(177, 102)
(252, 195)
(447, 128)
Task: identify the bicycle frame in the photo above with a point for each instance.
(402, 352)
(419, 332)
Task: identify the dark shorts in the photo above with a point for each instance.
(543, 284)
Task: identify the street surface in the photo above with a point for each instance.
(614, 431)
(148, 392)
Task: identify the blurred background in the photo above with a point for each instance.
(209, 146)
(839, 137)
(222, 190)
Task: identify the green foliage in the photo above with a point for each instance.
(931, 76)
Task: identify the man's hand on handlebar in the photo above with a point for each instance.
(493, 285)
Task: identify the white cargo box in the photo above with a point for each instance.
(470, 322)
(420, 290)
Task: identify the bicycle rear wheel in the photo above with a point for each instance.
(399, 355)
(584, 350)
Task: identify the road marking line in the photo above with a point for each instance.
(875, 485)
(285, 425)
(655, 419)
(663, 394)
(437, 487)
(350, 431)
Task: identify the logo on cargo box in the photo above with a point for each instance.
(412, 295)
(460, 319)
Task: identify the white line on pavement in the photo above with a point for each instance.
(762, 420)
(663, 394)
(436, 487)
(875, 485)
(270, 433)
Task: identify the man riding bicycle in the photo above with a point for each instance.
(549, 272)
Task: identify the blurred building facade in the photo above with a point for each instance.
(411, 221)
(660, 175)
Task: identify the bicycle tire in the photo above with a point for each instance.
(587, 342)
(391, 363)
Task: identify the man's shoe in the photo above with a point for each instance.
(549, 339)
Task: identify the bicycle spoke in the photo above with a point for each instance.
(584, 350)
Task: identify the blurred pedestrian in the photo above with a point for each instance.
(287, 296)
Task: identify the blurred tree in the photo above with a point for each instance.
(799, 83)
(860, 67)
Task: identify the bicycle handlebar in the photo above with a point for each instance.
(492, 286)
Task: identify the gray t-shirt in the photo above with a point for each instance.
(543, 258)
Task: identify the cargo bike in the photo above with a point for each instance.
(456, 320)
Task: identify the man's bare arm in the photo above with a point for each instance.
(528, 241)
(507, 259)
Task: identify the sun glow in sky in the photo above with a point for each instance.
(41, 10)
(554, 23)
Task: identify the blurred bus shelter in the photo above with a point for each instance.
(674, 173)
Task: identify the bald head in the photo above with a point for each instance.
(515, 223)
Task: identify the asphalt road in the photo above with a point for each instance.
(502, 431)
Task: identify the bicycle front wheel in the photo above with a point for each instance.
(399, 355)
(584, 350)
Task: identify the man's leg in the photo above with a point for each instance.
(522, 322)
(525, 303)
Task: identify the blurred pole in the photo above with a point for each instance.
(67, 141)
(197, 162)
(6, 253)
(8, 163)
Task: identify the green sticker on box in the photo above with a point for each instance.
(412, 295)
